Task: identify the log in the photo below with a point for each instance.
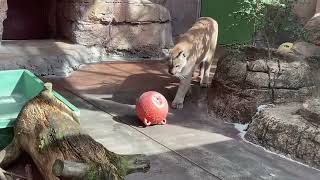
(82, 171)
(69, 169)
(49, 131)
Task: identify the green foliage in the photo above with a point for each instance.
(272, 18)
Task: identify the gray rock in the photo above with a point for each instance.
(311, 111)
(248, 78)
(145, 40)
(259, 65)
(48, 57)
(141, 28)
(136, 27)
(3, 15)
(284, 130)
(312, 28)
(105, 11)
(306, 49)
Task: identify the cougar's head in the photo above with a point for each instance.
(177, 62)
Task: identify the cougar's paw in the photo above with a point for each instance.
(177, 105)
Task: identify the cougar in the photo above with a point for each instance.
(195, 48)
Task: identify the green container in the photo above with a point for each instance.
(17, 87)
(231, 29)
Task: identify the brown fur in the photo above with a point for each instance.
(195, 48)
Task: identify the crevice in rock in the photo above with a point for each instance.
(269, 75)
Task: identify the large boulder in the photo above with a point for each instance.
(249, 77)
(290, 129)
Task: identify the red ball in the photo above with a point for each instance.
(152, 108)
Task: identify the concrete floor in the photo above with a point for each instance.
(193, 145)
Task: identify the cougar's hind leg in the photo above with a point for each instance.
(206, 76)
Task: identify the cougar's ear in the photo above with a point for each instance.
(183, 54)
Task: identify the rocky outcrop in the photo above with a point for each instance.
(48, 57)
(249, 77)
(136, 27)
(290, 129)
(289, 80)
(3, 15)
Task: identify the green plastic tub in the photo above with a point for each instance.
(16, 88)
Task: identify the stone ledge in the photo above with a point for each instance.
(284, 130)
(49, 57)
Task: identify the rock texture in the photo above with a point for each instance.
(247, 78)
(139, 28)
(3, 15)
(313, 29)
(134, 27)
(48, 57)
(311, 111)
(290, 129)
(185, 17)
(313, 25)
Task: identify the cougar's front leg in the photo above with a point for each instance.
(184, 87)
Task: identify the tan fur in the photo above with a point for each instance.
(195, 48)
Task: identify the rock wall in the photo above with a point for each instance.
(133, 27)
(48, 57)
(248, 78)
(3, 15)
(184, 13)
(140, 28)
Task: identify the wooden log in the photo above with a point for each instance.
(69, 169)
(84, 171)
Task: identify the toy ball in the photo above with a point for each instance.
(152, 108)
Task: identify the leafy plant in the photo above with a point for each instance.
(272, 19)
